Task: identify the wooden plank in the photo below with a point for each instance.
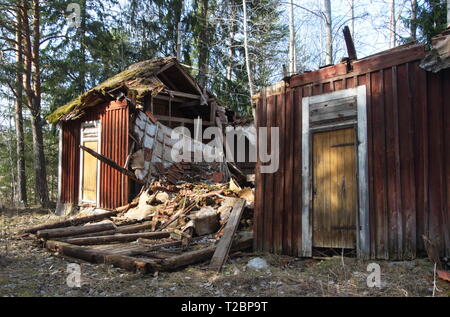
(73, 231)
(297, 177)
(436, 166)
(183, 94)
(112, 164)
(446, 157)
(379, 165)
(409, 129)
(363, 66)
(363, 175)
(70, 222)
(223, 247)
(279, 211)
(260, 179)
(269, 188)
(117, 238)
(306, 193)
(181, 120)
(351, 51)
(289, 172)
(204, 254)
(327, 104)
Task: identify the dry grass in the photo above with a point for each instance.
(28, 270)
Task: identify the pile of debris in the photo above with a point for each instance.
(170, 224)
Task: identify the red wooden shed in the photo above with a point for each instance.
(364, 159)
(124, 119)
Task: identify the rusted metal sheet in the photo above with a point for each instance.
(408, 113)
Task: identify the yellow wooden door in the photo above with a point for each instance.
(334, 189)
(90, 165)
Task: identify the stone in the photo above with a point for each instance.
(257, 264)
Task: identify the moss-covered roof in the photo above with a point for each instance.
(138, 79)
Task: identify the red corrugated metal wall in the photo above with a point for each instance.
(114, 145)
(70, 160)
(408, 154)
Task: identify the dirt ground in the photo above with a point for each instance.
(28, 270)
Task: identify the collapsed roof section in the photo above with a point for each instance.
(164, 79)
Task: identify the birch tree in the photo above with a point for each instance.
(329, 32)
(247, 57)
(392, 26)
(292, 44)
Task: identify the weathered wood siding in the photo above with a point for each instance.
(408, 113)
(114, 186)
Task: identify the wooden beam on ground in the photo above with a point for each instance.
(148, 225)
(117, 238)
(223, 247)
(113, 164)
(70, 222)
(97, 256)
(201, 255)
(73, 231)
(351, 51)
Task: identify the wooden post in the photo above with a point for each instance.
(350, 44)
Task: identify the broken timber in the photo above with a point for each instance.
(112, 164)
(117, 238)
(73, 231)
(141, 265)
(71, 222)
(223, 247)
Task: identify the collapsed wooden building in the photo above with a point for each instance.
(364, 156)
(128, 120)
(143, 206)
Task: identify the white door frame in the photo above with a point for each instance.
(97, 138)
(362, 221)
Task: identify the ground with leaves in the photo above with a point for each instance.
(28, 270)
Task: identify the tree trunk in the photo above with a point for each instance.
(247, 57)
(231, 36)
(82, 51)
(328, 31)
(20, 142)
(448, 13)
(179, 33)
(203, 44)
(32, 85)
(292, 53)
(393, 25)
(352, 10)
(414, 8)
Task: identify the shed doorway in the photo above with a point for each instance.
(334, 206)
(89, 165)
(335, 188)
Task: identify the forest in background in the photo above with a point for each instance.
(233, 47)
